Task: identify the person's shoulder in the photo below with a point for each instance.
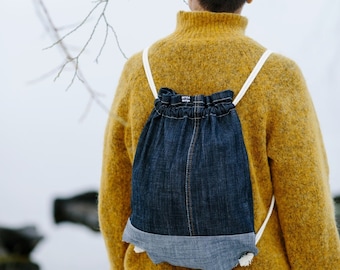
(283, 74)
(134, 62)
(282, 64)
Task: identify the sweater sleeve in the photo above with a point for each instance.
(299, 173)
(114, 192)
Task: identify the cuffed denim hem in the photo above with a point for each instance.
(220, 252)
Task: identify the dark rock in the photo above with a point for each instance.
(79, 209)
(19, 241)
(16, 246)
(18, 266)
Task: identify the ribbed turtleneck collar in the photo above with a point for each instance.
(209, 23)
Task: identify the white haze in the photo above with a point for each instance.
(45, 151)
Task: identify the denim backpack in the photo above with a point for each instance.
(191, 199)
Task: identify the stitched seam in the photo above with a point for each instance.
(188, 199)
(194, 118)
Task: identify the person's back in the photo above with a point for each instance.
(208, 53)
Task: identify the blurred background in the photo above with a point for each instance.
(51, 136)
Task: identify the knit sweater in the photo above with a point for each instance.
(207, 53)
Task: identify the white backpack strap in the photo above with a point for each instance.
(252, 76)
(242, 92)
(148, 72)
(264, 224)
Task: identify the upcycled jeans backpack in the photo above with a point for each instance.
(191, 201)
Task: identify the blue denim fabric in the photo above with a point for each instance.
(219, 252)
(190, 173)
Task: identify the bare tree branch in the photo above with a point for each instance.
(61, 39)
(108, 28)
(70, 59)
(50, 27)
(46, 75)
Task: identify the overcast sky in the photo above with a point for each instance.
(46, 151)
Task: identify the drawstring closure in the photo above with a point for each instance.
(170, 104)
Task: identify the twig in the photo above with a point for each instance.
(46, 75)
(74, 60)
(60, 39)
(94, 97)
(109, 27)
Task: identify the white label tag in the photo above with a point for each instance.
(185, 99)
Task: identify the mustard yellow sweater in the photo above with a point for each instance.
(209, 52)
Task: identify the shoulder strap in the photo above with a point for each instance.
(148, 72)
(252, 76)
(264, 224)
(242, 92)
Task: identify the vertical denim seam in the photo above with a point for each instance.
(191, 149)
